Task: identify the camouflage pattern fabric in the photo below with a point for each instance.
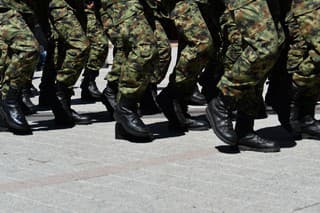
(98, 42)
(164, 53)
(74, 46)
(163, 46)
(252, 40)
(19, 51)
(304, 54)
(195, 45)
(131, 30)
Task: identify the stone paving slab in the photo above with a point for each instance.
(84, 169)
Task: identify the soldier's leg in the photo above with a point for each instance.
(140, 50)
(253, 41)
(148, 104)
(303, 63)
(73, 49)
(195, 45)
(22, 53)
(97, 56)
(109, 94)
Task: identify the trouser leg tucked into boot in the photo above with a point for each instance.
(129, 125)
(302, 114)
(197, 98)
(148, 103)
(248, 140)
(64, 96)
(109, 97)
(219, 115)
(89, 89)
(12, 114)
(27, 106)
(192, 123)
(170, 104)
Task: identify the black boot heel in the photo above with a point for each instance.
(121, 134)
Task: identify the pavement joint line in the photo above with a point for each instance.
(306, 207)
(100, 171)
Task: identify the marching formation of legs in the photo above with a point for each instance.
(229, 47)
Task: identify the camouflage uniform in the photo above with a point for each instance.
(252, 45)
(73, 44)
(98, 41)
(133, 37)
(163, 46)
(195, 43)
(19, 48)
(304, 53)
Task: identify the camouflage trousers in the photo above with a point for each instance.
(136, 54)
(18, 51)
(195, 45)
(98, 43)
(304, 53)
(252, 40)
(71, 45)
(164, 55)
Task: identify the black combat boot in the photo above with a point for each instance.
(27, 106)
(129, 126)
(248, 140)
(193, 124)
(12, 114)
(148, 103)
(62, 117)
(89, 89)
(302, 116)
(109, 97)
(64, 96)
(219, 115)
(197, 98)
(171, 107)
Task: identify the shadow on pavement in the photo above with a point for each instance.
(160, 130)
(100, 117)
(79, 101)
(46, 122)
(228, 149)
(47, 125)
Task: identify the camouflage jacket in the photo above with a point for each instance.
(300, 7)
(236, 4)
(19, 5)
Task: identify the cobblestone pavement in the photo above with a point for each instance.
(84, 169)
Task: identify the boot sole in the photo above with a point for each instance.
(308, 136)
(205, 128)
(83, 122)
(215, 130)
(265, 150)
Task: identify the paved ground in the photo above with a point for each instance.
(84, 169)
